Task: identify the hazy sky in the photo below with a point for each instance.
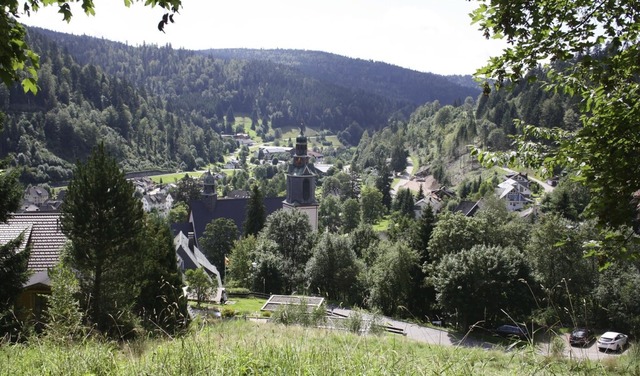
(425, 35)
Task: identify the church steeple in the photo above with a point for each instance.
(301, 182)
(209, 194)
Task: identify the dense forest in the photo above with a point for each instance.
(161, 108)
(440, 136)
(376, 77)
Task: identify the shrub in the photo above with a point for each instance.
(228, 312)
(238, 291)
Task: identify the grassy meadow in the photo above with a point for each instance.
(239, 347)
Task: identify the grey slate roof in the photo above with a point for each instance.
(45, 238)
(193, 258)
(234, 209)
(468, 208)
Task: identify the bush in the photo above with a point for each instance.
(228, 312)
(238, 291)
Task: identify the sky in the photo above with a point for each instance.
(425, 35)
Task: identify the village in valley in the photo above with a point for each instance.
(292, 211)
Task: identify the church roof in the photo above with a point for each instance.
(234, 209)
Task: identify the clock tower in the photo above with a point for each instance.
(301, 183)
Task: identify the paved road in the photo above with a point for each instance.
(590, 352)
(403, 178)
(444, 338)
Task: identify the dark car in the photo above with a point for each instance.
(581, 337)
(512, 331)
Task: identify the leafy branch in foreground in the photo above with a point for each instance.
(18, 62)
(590, 51)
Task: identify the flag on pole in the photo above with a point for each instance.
(226, 261)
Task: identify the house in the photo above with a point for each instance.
(36, 195)
(267, 153)
(43, 234)
(322, 168)
(238, 193)
(318, 157)
(515, 191)
(158, 201)
(431, 200)
(444, 193)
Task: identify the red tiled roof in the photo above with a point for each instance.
(45, 239)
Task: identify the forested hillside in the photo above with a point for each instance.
(158, 107)
(384, 79)
(78, 106)
(193, 82)
(440, 136)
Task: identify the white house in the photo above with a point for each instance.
(159, 201)
(515, 192)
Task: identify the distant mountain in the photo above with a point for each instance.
(380, 78)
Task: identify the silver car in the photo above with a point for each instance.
(612, 341)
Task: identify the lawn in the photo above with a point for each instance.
(174, 177)
(245, 306)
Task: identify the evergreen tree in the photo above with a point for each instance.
(420, 194)
(231, 119)
(161, 303)
(104, 220)
(404, 203)
(383, 184)
(422, 233)
(13, 264)
(256, 213)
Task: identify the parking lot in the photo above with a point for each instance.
(587, 352)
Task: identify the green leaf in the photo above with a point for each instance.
(30, 85)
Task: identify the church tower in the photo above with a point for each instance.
(209, 194)
(301, 183)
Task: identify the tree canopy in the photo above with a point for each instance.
(104, 221)
(17, 61)
(590, 51)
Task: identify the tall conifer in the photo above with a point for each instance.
(104, 220)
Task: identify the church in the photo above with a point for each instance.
(300, 195)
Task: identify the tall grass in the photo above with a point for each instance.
(247, 348)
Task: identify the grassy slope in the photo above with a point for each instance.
(247, 348)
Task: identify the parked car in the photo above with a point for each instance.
(612, 341)
(512, 331)
(581, 337)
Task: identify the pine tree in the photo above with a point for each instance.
(383, 184)
(420, 194)
(104, 220)
(13, 264)
(161, 303)
(256, 213)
